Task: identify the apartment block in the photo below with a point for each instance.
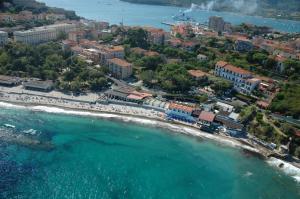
(43, 34)
(120, 68)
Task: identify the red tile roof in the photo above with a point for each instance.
(181, 107)
(232, 68)
(221, 63)
(120, 62)
(197, 73)
(207, 116)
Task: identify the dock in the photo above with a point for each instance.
(168, 23)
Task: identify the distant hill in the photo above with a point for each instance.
(288, 9)
(15, 6)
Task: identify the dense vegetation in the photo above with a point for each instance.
(270, 130)
(288, 100)
(49, 62)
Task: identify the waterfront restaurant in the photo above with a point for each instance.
(181, 112)
(206, 118)
(35, 85)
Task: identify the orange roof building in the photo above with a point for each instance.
(120, 68)
(181, 112)
(241, 78)
(197, 74)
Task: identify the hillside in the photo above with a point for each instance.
(288, 9)
(15, 6)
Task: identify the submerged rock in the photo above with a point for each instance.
(9, 136)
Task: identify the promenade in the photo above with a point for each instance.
(87, 102)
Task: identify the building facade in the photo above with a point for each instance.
(242, 79)
(110, 52)
(181, 112)
(43, 34)
(119, 68)
(216, 23)
(3, 38)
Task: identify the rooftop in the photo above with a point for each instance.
(120, 62)
(197, 73)
(114, 48)
(207, 116)
(232, 68)
(181, 107)
(39, 84)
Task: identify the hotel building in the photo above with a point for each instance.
(43, 34)
(181, 112)
(242, 79)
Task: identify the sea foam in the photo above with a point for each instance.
(287, 168)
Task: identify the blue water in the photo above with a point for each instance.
(114, 11)
(97, 158)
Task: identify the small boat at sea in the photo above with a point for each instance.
(10, 126)
(30, 131)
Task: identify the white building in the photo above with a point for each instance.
(43, 34)
(3, 38)
(202, 57)
(242, 79)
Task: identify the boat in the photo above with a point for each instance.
(183, 17)
(30, 131)
(9, 126)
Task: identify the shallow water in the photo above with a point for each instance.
(115, 11)
(100, 158)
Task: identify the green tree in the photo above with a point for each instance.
(137, 38)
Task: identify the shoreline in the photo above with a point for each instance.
(288, 168)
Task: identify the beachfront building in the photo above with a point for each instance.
(216, 23)
(9, 81)
(206, 118)
(225, 107)
(126, 95)
(42, 86)
(3, 38)
(181, 112)
(43, 34)
(229, 123)
(119, 68)
(242, 79)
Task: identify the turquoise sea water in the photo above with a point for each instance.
(98, 158)
(115, 11)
